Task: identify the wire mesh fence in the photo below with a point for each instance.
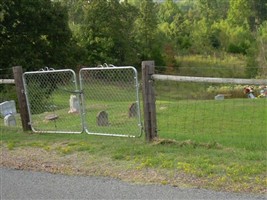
(53, 101)
(226, 112)
(111, 101)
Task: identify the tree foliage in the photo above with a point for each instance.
(35, 34)
(106, 31)
(65, 33)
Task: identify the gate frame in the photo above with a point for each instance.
(79, 89)
(47, 71)
(110, 67)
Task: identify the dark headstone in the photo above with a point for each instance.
(133, 110)
(102, 118)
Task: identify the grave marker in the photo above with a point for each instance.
(10, 120)
(132, 110)
(51, 117)
(74, 104)
(8, 107)
(102, 118)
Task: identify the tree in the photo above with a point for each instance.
(239, 13)
(167, 11)
(262, 49)
(106, 32)
(135, 3)
(201, 37)
(166, 16)
(257, 54)
(130, 47)
(212, 10)
(259, 13)
(146, 32)
(34, 34)
(75, 10)
(207, 13)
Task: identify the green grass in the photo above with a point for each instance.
(113, 99)
(208, 165)
(239, 123)
(224, 65)
(202, 142)
(214, 144)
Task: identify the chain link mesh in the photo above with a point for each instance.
(53, 101)
(111, 101)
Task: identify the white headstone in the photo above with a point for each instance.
(8, 107)
(10, 120)
(219, 97)
(74, 104)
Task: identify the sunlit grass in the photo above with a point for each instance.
(212, 144)
(235, 122)
(223, 65)
(216, 165)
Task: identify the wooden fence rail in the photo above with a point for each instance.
(209, 79)
(7, 81)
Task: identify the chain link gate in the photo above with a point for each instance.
(106, 104)
(111, 101)
(49, 94)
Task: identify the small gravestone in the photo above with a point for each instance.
(219, 97)
(132, 110)
(7, 107)
(102, 118)
(10, 120)
(74, 104)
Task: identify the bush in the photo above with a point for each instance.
(7, 93)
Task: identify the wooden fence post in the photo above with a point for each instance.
(149, 100)
(23, 109)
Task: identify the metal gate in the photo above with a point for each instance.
(111, 101)
(107, 102)
(48, 94)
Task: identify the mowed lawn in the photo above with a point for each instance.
(202, 143)
(236, 123)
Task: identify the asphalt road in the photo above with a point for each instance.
(16, 184)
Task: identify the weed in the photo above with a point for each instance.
(64, 150)
(11, 145)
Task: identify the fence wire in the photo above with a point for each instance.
(111, 101)
(53, 101)
(226, 113)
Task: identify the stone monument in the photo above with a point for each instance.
(74, 104)
(102, 118)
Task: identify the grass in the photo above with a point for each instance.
(234, 122)
(113, 99)
(223, 154)
(224, 65)
(202, 143)
(181, 163)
